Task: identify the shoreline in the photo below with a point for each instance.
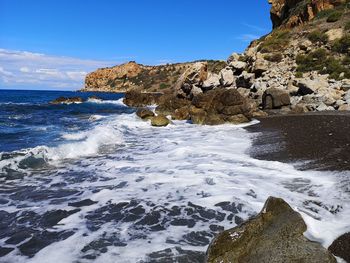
(312, 141)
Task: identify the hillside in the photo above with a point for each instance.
(130, 76)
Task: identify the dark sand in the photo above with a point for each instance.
(311, 141)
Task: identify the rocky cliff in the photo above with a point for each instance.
(131, 76)
(290, 13)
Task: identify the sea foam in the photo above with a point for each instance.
(178, 165)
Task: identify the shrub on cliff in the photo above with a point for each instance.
(317, 37)
(275, 42)
(334, 17)
(312, 61)
(342, 45)
(276, 57)
(334, 68)
(325, 13)
(347, 26)
(324, 63)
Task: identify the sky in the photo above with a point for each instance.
(54, 44)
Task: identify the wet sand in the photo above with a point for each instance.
(312, 141)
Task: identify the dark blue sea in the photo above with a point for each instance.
(91, 182)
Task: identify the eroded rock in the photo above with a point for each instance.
(144, 113)
(160, 121)
(275, 235)
(64, 100)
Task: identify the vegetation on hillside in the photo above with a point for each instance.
(276, 41)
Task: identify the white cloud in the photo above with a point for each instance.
(29, 69)
(24, 69)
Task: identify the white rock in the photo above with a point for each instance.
(324, 107)
(226, 77)
(238, 65)
(212, 82)
(335, 33)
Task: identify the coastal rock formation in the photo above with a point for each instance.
(275, 235)
(291, 13)
(220, 106)
(341, 247)
(64, 100)
(191, 80)
(134, 76)
(302, 65)
(139, 99)
(144, 113)
(214, 107)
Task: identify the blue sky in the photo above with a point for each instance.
(53, 44)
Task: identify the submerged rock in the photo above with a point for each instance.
(160, 121)
(64, 100)
(274, 236)
(144, 113)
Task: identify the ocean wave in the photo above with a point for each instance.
(16, 103)
(79, 144)
(98, 101)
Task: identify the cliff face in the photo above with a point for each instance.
(290, 13)
(130, 76)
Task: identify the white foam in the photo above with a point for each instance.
(184, 163)
(99, 101)
(78, 144)
(101, 135)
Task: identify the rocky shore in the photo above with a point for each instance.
(296, 81)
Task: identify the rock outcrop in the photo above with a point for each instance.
(290, 13)
(275, 235)
(133, 76)
(144, 113)
(64, 100)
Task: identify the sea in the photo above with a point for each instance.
(91, 182)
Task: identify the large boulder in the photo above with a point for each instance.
(219, 106)
(138, 99)
(167, 104)
(274, 98)
(260, 66)
(341, 247)
(275, 235)
(160, 121)
(226, 77)
(245, 80)
(238, 67)
(212, 82)
(195, 75)
(181, 114)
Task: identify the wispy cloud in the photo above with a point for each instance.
(255, 27)
(28, 68)
(247, 37)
